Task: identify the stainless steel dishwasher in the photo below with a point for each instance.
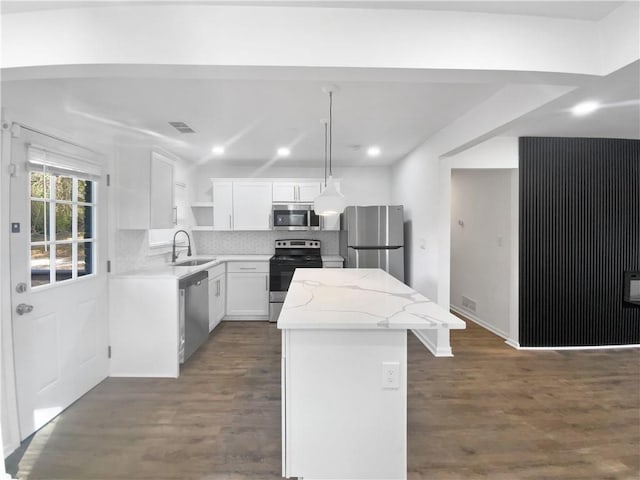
(194, 313)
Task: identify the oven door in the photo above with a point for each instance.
(290, 217)
(281, 273)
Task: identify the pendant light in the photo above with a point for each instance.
(330, 201)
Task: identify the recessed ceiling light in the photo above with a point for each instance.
(373, 151)
(585, 108)
(217, 150)
(284, 152)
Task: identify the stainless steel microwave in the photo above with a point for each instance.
(295, 217)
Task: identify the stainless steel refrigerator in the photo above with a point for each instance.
(373, 237)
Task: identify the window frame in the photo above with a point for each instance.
(50, 240)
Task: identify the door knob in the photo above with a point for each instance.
(21, 287)
(24, 308)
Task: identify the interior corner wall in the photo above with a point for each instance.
(481, 242)
(579, 233)
(415, 184)
(422, 183)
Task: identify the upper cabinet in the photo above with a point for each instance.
(285, 192)
(222, 206)
(241, 205)
(251, 205)
(145, 184)
(246, 204)
(162, 210)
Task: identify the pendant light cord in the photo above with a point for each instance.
(330, 130)
(325, 154)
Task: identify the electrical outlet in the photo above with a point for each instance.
(391, 375)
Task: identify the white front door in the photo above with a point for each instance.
(58, 279)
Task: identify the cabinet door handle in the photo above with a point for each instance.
(247, 268)
(266, 283)
(269, 225)
(229, 222)
(217, 288)
(175, 215)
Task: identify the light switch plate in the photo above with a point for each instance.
(390, 375)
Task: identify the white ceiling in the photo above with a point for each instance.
(252, 118)
(591, 10)
(253, 111)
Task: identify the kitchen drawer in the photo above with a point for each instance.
(217, 270)
(247, 267)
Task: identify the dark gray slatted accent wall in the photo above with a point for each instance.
(579, 231)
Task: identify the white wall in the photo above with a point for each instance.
(422, 182)
(481, 243)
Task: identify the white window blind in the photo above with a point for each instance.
(60, 163)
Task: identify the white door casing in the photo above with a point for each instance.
(60, 346)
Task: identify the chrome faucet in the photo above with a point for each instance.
(174, 256)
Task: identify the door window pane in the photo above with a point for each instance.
(64, 221)
(85, 221)
(39, 220)
(40, 265)
(64, 188)
(62, 228)
(85, 258)
(64, 261)
(40, 185)
(85, 191)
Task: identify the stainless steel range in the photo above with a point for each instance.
(290, 254)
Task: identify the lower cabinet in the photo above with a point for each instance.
(332, 264)
(247, 291)
(217, 295)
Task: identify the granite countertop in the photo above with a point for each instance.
(171, 271)
(359, 298)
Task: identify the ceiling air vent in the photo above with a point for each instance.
(182, 127)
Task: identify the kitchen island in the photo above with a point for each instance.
(344, 372)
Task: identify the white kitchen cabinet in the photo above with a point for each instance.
(217, 295)
(145, 190)
(306, 192)
(251, 205)
(162, 199)
(222, 206)
(332, 264)
(247, 291)
(284, 192)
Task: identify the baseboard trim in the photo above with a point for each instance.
(512, 343)
(437, 351)
(588, 347)
(480, 322)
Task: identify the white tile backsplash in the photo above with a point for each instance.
(133, 251)
(258, 242)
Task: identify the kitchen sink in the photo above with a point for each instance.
(193, 263)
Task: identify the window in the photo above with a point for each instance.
(62, 212)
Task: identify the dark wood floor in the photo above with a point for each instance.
(489, 412)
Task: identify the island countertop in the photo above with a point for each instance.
(359, 298)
